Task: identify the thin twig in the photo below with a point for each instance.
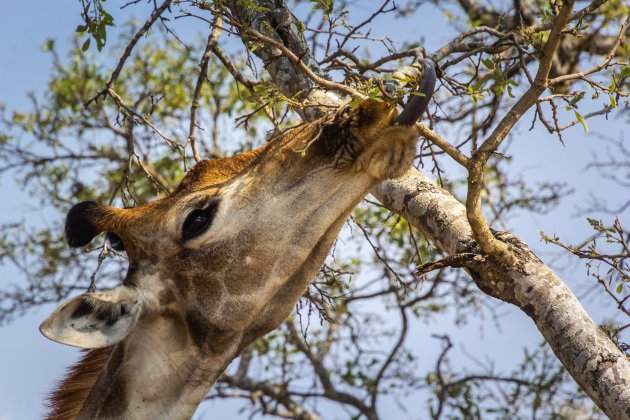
(286, 52)
(201, 77)
(448, 148)
(130, 46)
(606, 63)
(463, 259)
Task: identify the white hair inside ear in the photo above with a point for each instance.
(94, 320)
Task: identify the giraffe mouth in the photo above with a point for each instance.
(353, 131)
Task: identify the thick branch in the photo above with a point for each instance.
(589, 356)
(288, 59)
(477, 164)
(231, 68)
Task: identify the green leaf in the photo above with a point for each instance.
(325, 6)
(582, 121)
(85, 45)
(474, 96)
(613, 101)
(619, 288)
(613, 85)
(596, 224)
(49, 45)
(355, 102)
(488, 63)
(509, 91)
(576, 98)
(374, 94)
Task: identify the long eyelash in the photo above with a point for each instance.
(108, 311)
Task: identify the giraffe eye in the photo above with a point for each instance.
(198, 221)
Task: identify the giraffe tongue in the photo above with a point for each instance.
(418, 104)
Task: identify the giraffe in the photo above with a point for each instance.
(219, 262)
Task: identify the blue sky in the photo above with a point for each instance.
(29, 364)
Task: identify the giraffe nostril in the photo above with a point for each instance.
(80, 229)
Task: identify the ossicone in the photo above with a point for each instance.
(80, 226)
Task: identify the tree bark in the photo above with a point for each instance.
(591, 358)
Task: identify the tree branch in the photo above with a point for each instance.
(606, 63)
(447, 147)
(130, 46)
(593, 360)
(588, 354)
(477, 164)
(213, 38)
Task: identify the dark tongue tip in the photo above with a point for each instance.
(418, 104)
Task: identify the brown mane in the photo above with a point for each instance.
(65, 402)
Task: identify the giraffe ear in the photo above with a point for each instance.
(94, 320)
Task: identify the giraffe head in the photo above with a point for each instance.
(223, 259)
(236, 229)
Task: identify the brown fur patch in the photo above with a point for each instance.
(210, 172)
(166, 297)
(208, 338)
(65, 402)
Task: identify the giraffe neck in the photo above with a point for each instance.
(66, 400)
(157, 372)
